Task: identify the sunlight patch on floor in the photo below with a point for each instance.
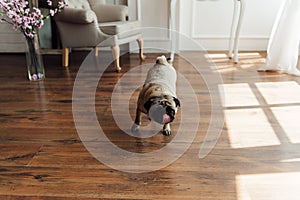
(225, 69)
(290, 160)
(216, 55)
(247, 66)
(280, 92)
(249, 128)
(276, 186)
(235, 95)
(288, 117)
(251, 55)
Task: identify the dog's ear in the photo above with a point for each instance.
(177, 102)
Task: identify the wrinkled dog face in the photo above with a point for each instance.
(168, 103)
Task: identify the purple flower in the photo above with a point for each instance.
(61, 4)
(22, 18)
(52, 12)
(34, 76)
(49, 2)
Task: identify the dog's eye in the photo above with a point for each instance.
(170, 110)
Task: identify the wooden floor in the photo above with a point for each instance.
(257, 154)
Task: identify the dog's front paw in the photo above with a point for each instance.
(166, 132)
(166, 129)
(135, 128)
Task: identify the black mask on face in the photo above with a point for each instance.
(160, 114)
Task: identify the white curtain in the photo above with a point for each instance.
(283, 49)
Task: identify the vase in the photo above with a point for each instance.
(35, 66)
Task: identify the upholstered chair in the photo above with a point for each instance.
(93, 23)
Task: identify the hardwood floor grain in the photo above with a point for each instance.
(257, 154)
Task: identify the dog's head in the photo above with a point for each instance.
(162, 109)
(163, 60)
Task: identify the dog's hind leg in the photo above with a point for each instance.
(166, 129)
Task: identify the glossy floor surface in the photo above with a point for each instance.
(236, 135)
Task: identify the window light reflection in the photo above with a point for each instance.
(280, 92)
(288, 118)
(249, 128)
(268, 186)
(239, 94)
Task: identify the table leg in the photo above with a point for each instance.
(239, 10)
(172, 28)
(233, 28)
(238, 29)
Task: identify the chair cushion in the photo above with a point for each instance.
(121, 28)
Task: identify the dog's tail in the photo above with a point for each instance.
(163, 60)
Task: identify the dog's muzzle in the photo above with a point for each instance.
(160, 114)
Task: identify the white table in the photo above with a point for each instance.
(238, 15)
(172, 27)
(237, 20)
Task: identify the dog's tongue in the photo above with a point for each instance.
(166, 119)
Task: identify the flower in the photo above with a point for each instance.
(28, 20)
(49, 2)
(34, 76)
(24, 19)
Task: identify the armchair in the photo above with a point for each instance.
(93, 23)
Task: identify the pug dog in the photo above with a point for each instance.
(158, 99)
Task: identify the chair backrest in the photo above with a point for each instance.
(82, 4)
(96, 2)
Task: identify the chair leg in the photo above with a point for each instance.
(116, 55)
(96, 51)
(65, 57)
(140, 43)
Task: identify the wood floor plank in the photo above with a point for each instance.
(42, 155)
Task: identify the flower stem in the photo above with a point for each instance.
(33, 54)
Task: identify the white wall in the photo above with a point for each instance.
(152, 13)
(209, 21)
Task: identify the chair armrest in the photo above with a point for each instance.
(76, 16)
(110, 13)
